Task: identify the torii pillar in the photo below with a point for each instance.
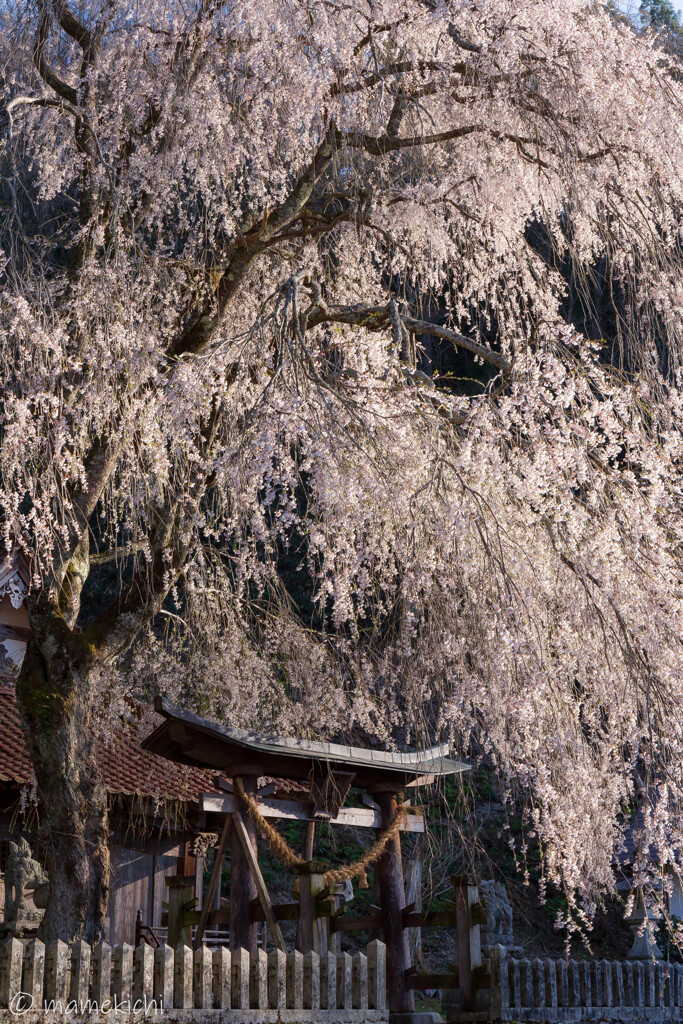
(392, 900)
(242, 885)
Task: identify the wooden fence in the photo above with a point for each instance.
(213, 984)
(572, 990)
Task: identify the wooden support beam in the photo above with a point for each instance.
(356, 924)
(295, 810)
(282, 911)
(214, 882)
(313, 935)
(262, 891)
(419, 982)
(469, 942)
(430, 919)
(389, 870)
(186, 862)
(301, 930)
(242, 882)
(181, 903)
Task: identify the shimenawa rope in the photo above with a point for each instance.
(293, 860)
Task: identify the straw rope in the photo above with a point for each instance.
(291, 859)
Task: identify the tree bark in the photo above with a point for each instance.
(55, 691)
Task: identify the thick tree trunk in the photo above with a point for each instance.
(55, 692)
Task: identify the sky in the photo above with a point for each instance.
(634, 4)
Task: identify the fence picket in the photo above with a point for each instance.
(359, 981)
(11, 957)
(312, 981)
(258, 980)
(606, 983)
(550, 975)
(164, 970)
(122, 972)
(377, 975)
(79, 984)
(182, 978)
(57, 973)
(295, 980)
(240, 979)
(221, 978)
(328, 981)
(34, 972)
(344, 1001)
(202, 978)
(143, 976)
(101, 976)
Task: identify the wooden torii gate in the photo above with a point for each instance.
(329, 770)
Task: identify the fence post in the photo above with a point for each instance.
(122, 970)
(277, 979)
(57, 973)
(143, 975)
(240, 979)
(377, 975)
(295, 980)
(328, 981)
(359, 981)
(596, 983)
(221, 978)
(11, 956)
(500, 986)
(563, 984)
(607, 983)
(163, 976)
(650, 988)
(79, 985)
(344, 982)
(617, 984)
(34, 972)
(469, 938)
(574, 984)
(101, 975)
(538, 975)
(258, 980)
(516, 996)
(202, 977)
(312, 981)
(182, 977)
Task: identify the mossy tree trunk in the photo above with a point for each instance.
(55, 693)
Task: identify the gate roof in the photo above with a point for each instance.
(188, 739)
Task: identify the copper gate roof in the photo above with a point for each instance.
(188, 739)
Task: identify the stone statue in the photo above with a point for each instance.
(22, 872)
(498, 931)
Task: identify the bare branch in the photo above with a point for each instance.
(49, 76)
(117, 554)
(71, 25)
(381, 144)
(376, 318)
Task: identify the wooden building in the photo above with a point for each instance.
(154, 805)
(154, 810)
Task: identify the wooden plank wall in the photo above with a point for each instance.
(137, 883)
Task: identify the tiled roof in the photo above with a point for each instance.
(126, 767)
